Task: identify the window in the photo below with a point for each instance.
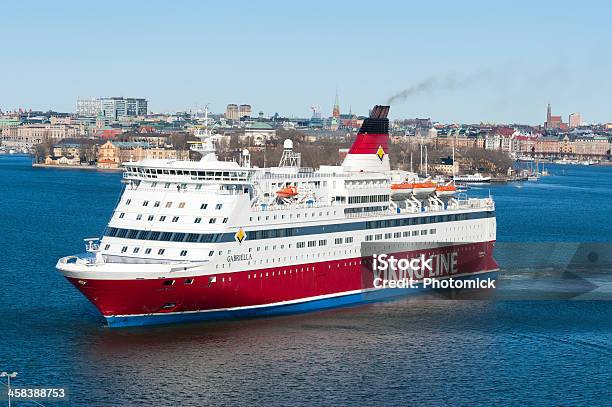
(312, 243)
(107, 247)
(175, 219)
(162, 218)
(212, 220)
(148, 251)
(197, 220)
(189, 281)
(300, 245)
(415, 233)
(348, 240)
(225, 220)
(397, 234)
(167, 185)
(129, 201)
(139, 216)
(210, 253)
(432, 231)
(198, 186)
(406, 234)
(182, 205)
(183, 253)
(387, 235)
(338, 240)
(161, 251)
(168, 282)
(136, 250)
(378, 237)
(121, 215)
(322, 242)
(124, 249)
(168, 204)
(150, 217)
(368, 238)
(145, 203)
(156, 204)
(204, 206)
(218, 206)
(423, 232)
(153, 184)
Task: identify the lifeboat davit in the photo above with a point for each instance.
(287, 192)
(446, 190)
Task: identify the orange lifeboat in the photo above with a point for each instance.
(401, 190)
(446, 190)
(423, 188)
(287, 192)
(416, 188)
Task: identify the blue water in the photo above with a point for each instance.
(408, 352)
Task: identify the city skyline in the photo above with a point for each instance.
(508, 63)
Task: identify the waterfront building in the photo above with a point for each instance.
(546, 145)
(566, 146)
(113, 153)
(29, 135)
(595, 146)
(8, 128)
(447, 166)
(62, 160)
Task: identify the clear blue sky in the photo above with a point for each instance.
(487, 61)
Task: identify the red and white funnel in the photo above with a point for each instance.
(369, 152)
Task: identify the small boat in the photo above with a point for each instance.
(423, 188)
(287, 192)
(401, 190)
(446, 190)
(472, 178)
(417, 188)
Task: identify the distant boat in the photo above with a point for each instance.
(472, 178)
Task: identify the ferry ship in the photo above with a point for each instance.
(211, 239)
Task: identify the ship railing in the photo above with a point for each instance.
(82, 259)
(299, 175)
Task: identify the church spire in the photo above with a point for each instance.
(336, 111)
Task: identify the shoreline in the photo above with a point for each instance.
(76, 167)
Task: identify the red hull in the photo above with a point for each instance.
(257, 287)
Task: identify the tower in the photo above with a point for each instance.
(336, 111)
(548, 114)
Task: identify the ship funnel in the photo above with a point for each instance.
(369, 152)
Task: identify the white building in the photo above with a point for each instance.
(88, 107)
(113, 108)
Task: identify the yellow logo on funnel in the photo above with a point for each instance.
(380, 153)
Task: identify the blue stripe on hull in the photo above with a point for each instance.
(275, 310)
